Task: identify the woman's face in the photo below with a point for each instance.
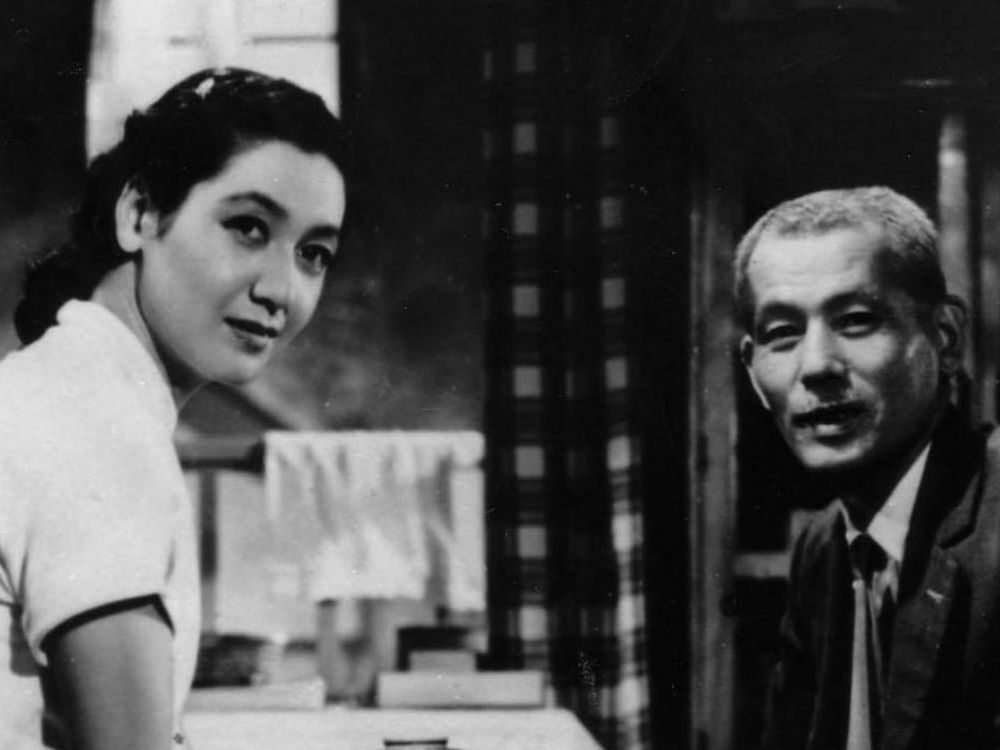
(236, 272)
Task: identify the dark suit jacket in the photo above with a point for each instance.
(943, 688)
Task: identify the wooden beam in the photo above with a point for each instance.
(954, 220)
(716, 224)
(987, 328)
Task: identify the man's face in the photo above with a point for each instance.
(838, 354)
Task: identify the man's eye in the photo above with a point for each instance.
(249, 230)
(316, 258)
(778, 334)
(858, 323)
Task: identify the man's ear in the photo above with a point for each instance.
(135, 219)
(746, 357)
(949, 323)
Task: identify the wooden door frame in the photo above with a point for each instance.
(716, 220)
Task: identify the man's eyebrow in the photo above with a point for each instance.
(778, 308)
(856, 297)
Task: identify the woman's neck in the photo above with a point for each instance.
(117, 293)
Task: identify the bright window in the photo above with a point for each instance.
(141, 47)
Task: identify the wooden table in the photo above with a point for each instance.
(365, 729)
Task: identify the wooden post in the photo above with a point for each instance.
(954, 228)
(716, 223)
(208, 543)
(987, 330)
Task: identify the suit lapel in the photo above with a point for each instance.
(943, 515)
(917, 635)
(834, 626)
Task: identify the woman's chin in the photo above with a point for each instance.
(234, 371)
(240, 376)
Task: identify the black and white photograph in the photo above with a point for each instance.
(499, 375)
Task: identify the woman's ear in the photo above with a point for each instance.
(135, 220)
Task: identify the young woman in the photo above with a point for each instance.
(198, 252)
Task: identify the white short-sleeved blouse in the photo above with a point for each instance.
(93, 506)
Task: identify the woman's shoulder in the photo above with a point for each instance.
(50, 378)
(79, 382)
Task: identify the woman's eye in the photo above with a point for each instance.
(249, 230)
(316, 258)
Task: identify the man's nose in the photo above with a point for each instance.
(821, 359)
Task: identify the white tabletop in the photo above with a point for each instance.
(365, 729)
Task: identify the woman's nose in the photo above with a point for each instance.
(272, 287)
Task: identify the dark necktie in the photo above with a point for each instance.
(867, 558)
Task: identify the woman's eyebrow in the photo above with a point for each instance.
(324, 230)
(264, 200)
(273, 207)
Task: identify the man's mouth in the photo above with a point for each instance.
(829, 418)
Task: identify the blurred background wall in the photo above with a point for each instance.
(43, 63)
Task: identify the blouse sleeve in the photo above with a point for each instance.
(93, 524)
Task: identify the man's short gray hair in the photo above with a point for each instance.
(909, 257)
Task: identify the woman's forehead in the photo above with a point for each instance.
(281, 177)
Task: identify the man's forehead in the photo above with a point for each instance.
(811, 267)
(786, 252)
(802, 231)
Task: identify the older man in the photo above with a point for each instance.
(891, 637)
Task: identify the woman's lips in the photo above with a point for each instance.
(251, 333)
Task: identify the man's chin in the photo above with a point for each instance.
(834, 463)
(852, 473)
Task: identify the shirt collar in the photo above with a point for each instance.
(892, 521)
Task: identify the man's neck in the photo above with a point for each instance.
(865, 492)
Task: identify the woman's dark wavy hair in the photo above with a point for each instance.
(185, 137)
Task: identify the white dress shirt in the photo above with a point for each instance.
(889, 527)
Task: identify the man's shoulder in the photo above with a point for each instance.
(972, 453)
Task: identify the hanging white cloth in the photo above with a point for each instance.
(381, 514)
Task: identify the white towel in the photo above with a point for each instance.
(382, 514)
